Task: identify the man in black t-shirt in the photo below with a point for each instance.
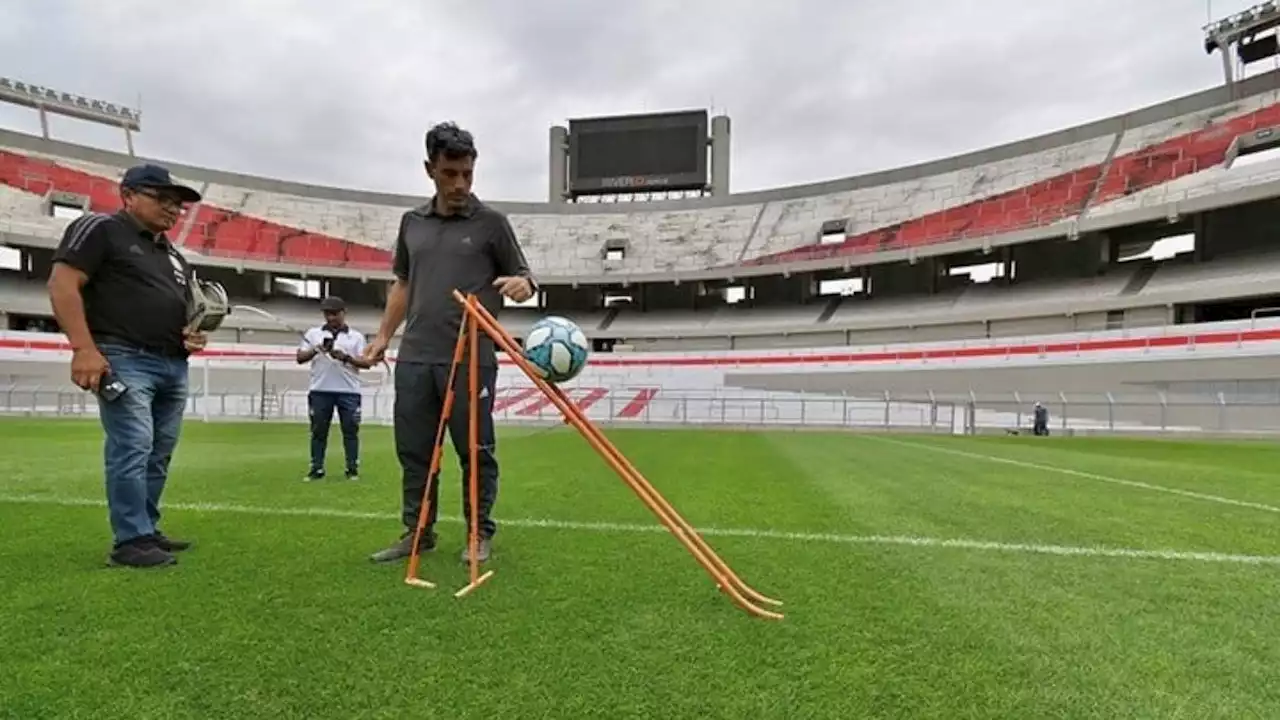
(454, 241)
(119, 291)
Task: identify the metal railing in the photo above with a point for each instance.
(1175, 337)
(1254, 410)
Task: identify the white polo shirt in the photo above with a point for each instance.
(327, 374)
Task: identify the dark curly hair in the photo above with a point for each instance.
(451, 141)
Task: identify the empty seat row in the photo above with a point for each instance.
(1043, 203)
(1055, 199)
(895, 215)
(206, 229)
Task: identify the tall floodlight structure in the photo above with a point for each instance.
(1244, 30)
(45, 100)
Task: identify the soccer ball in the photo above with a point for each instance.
(557, 348)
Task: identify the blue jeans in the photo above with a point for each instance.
(321, 405)
(142, 428)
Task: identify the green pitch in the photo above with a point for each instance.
(924, 577)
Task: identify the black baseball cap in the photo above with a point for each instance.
(332, 304)
(155, 176)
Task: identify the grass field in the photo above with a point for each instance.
(924, 577)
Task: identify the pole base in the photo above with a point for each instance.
(472, 586)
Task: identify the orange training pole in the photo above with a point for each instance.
(654, 497)
(706, 557)
(473, 435)
(437, 448)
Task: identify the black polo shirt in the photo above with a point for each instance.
(436, 254)
(137, 288)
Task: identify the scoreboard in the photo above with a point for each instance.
(638, 153)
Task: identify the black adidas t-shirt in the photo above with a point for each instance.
(137, 289)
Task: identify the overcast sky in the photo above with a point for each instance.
(340, 92)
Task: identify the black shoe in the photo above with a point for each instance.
(353, 475)
(169, 544)
(403, 547)
(140, 554)
(313, 476)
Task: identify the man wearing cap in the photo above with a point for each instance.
(119, 291)
(335, 352)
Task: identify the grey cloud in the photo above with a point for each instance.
(340, 93)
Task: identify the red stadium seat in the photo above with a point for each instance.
(1051, 200)
(213, 231)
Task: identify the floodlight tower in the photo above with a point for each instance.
(1242, 30)
(47, 100)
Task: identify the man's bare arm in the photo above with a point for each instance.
(397, 307)
(65, 284)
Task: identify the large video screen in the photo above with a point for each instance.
(638, 153)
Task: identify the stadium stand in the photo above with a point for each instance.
(1062, 210)
(1036, 183)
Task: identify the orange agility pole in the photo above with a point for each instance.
(465, 330)
(473, 447)
(437, 448)
(741, 594)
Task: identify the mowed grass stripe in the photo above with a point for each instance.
(284, 617)
(885, 488)
(287, 620)
(974, 454)
(710, 532)
(803, 483)
(1243, 470)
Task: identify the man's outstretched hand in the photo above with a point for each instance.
(517, 288)
(376, 351)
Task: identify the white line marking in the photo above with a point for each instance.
(801, 537)
(1077, 473)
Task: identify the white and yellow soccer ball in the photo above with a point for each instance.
(557, 348)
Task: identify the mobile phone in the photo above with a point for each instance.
(110, 387)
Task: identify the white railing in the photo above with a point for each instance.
(1251, 410)
(1227, 334)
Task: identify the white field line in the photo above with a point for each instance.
(615, 528)
(1077, 473)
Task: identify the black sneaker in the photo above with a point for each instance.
(403, 547)
(140, 554)
(169, 544)
(313, 476)
(353, 475)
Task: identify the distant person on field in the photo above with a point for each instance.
(119, 292)
(453, 242)
(335, 352)
(1041, 416)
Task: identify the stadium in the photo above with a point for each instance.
(1119, 273)
(790, 306)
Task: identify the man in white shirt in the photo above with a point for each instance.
(335, 353)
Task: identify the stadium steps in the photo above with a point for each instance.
(1140, 278)
(751, 236)
(1106, 168)
(189, 218)
(609, 317)
(832, 305)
